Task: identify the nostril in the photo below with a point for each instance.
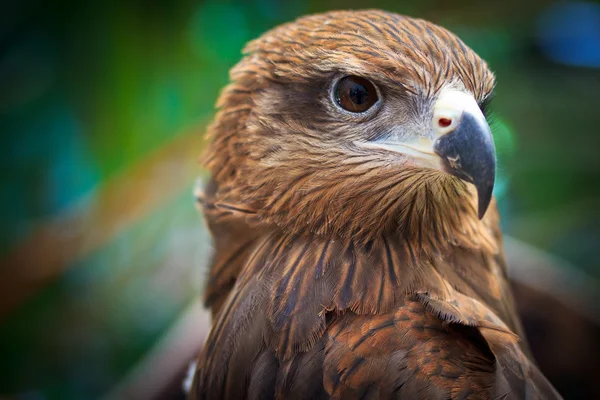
(444, 122)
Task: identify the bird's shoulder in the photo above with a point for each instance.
(414, 352)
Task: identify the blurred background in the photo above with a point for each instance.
(102, 112)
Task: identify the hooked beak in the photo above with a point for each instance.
(462, 146)
(465, 144)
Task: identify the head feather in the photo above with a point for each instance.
(276, 148)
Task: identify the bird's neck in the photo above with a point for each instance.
(371, 277)
(309, 275)
(305, 278)
(349, 272)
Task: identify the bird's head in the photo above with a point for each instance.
(357, 123)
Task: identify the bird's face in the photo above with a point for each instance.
(354, 120)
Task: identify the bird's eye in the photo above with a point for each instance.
(355, 94)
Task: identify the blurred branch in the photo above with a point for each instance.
(554, 277)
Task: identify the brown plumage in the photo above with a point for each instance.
(343, 270)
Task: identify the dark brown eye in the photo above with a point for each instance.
(355, 94)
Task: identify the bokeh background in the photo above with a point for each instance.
(102, 112)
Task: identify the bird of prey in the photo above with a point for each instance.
(358, 252)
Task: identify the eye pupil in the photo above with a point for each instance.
(355, 94)
(359, 94)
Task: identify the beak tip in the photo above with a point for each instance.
(481, 211)
(484, 197)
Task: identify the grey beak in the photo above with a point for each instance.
(468, 153)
